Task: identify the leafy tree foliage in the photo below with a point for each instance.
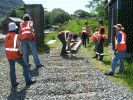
(98, 6)
(47, 20)
(55, 16)
(20, 13)
(12, 13)
(1, 20)
(83, 14)
(59, 16)
(16, 12)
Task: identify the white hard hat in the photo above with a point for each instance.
(12, 26)
(27, 15)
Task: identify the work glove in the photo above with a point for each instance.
(115, 52)
(21, 56)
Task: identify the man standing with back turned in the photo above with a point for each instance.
(101, 37)
(27, 35)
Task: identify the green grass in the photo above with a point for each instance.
(0, 60)
(105, 65)
(52, 36)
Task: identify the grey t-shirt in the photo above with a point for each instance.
(69, 34)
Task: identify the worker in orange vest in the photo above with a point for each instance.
(88, 30)
(120, 50)
(14, 54)
(27, 34)
(95, 39)
(84, 35)
(63, 35)
(101, 37)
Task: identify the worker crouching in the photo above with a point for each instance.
(63, 35)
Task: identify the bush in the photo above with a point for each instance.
(128, 68)
(0, 31)
(53, 38)
(61, 28)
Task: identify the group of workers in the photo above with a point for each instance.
(20, 53)
(98, 38)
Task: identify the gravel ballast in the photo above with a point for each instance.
(68, 78)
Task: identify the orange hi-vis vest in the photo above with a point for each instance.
(103, 35)
(64, 34)
(122, 43)
(25, 30)
(94, 36)
(11, 49)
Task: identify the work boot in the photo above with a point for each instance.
(31, 82)
(109, 74)
(101, 58)
(15, 85)
(118, 73)
(65, 53)
(39, 66)
(96, 56)
(29, 65)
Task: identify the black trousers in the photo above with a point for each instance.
(63, 51)
(100, 46)
(100, 50)
(84, 36)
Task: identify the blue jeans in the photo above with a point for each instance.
(63, 51)
(26, 44)
(12, 70)
(118, 57)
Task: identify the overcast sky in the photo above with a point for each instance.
(67, 5)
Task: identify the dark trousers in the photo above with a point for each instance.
(84, 42)
(84, 36)
(63, 51)
(100, 50)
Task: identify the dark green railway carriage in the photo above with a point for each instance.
(121, 12)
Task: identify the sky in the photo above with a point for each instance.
(67, 5)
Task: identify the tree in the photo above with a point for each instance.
(83, 14)
(16, 12)
(20, 12)
(55, 13)
(98, 6)
(56, 16)
(12, 13)
(61, 18)
(47, 20)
